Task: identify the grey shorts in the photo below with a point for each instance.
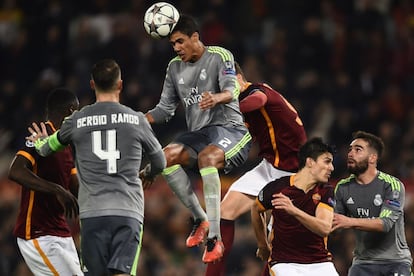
(110, 245)
(392, 268)
(235, 142)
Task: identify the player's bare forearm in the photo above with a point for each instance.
(364, 224)
(319, 224)
(258, 226)
(210, 100)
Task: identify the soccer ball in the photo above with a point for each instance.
(160, 19)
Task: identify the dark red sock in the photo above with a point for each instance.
(227, 236)
(265, 271)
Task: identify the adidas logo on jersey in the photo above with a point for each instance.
(350, 201)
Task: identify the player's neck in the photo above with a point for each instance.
(367, 177)
(304, 181)
(107, 97)
(245, 85)
(198, 52)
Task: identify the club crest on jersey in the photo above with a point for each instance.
(377, 200)
(316, 198)
(203, 74)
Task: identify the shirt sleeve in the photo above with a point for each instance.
(328, 197)
(169, 101)
(392, 208)
(65, 132)
(152, 147)
(255, 100)
(265, 196)
(227, 73)
(339, 206)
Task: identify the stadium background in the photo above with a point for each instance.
(345, 65)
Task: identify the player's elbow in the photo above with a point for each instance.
(325, 232)
(324, 229)
(13, 175)
(386, 225)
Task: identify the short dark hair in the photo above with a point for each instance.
(59, 102)
(186, 25)
(313, 148)
(239, 69)
(105, 74)
(373, 141)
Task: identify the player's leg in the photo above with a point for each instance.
(179, 154)
(238, 201)
(228, 148)
(125, 246)
(234, 204)
(209, 161)
(50, 255)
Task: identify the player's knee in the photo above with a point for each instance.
(211, 156)
(174, 154)
(229, 211)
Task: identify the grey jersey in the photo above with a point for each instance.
(185, 82)
(383, 198)
(109, 139)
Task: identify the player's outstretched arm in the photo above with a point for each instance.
(44, 144)
(259, 227)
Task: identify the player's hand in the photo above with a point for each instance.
(145, 178)
(263, 253)
(208, 100)
(68, 202)
(341, 221)
(280, 201)
(37, 132)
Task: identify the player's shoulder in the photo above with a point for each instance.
(345, 182)
(326, 186)
(279, 184)
(220, 52)
(174, 60)
(391, 180)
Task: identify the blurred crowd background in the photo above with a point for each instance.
(344, 64)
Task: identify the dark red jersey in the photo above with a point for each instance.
(276, 127)
(291, 241)
(40, 213)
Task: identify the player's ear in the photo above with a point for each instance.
(309, 162)
(195, 36)
(92, 84)
(119, 85)
(373, 158)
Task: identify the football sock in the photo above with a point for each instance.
(212, 197)
(180, 184)
(227, 235)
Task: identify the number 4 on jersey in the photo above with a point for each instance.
(111, 154)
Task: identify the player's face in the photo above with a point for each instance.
(358, 157)
(323, 167)
(184, 46)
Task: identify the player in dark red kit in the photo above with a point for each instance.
(43, 234)
(278, 130)
(302, 208)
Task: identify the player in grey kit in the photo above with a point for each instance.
(109, 139)
(372, 203)
(203, 79)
